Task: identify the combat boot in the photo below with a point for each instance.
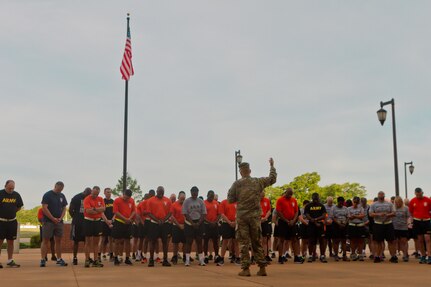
(245, 272)
(262, 272)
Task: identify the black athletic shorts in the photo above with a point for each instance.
(135, 231)
(8, 230)
(146, 228)
(191, 232)
(276, 230)
(92, 228)
(412, 234)
(178, 235)
(382, 232)
(106, 231)
(356, 232)
(227, 231)
(315, 232)
(77, 231)
(211, 231)
(287, 232)
(121, 230)
(303, 231)
(421, 227)
(339, 232)
(329, 233)
(156, 231)
(401, 234)
(266, 228)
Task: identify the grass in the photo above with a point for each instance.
(28, 233)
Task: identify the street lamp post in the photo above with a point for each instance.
(381, 114)
(411, 169)
(238, 160)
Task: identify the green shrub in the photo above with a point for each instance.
(35, 241)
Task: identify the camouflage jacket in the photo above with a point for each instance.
(246, 192)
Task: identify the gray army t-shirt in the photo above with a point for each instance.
(339, 214)
(379, 207)
(194, 208)
(356, 211)
(400, 219)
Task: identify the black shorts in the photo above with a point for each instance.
(356, 232)
(135, 231)
(211, 231)
(146, 228)
(329, 233)
(8, 230)
(412, 234)
(382, 232)
(106, 230)
(401, 234)
(303, 231)
(156, 231)
(178, 235)
(276, 230)
(77, 232)
(287, 232)
(92, 228)
(421, 227)
(121, 230)
(227, 231)
(339, 232)
(266, 229)
(315, 232)
(191, 232)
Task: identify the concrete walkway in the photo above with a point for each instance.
(332, 274)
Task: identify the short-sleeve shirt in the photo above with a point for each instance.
(77, 208)
(109, 208)
(265, 205)
(288, 207)
(228, 209)
(356, 211)
(91, 202)
(194, 208)
(339, 213)
(400, 219)
(159, 207)
(140, 210)
(315, 210)
(10, 203)
(176, 210)
(212, 210)
(420, 208)
(124, 207)
(56, 201)
(40, 214)
(378, 207)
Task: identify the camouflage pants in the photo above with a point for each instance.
(249, 234)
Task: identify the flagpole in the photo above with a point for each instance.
(126, 114)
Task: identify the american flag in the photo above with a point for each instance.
(126, 68)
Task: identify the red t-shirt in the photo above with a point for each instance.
(176, 209)
(288, 207)
(265, 205)
(91, 202)
(124, 207)
(212, 210)
(159, 208)
(140, 210)
(420, 208)
(228, 209)
(40, 214)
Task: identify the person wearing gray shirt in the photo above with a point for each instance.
(338, 214)
(383, 229)
(401, 221)
(194, 211)
(356, 229)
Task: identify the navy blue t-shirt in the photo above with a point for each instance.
(56, 202)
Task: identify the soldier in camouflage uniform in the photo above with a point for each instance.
(246, 192)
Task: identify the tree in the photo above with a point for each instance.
(28, 216)
(131, 184)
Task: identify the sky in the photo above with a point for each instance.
(299, 81)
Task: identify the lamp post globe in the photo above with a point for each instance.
(381, 114)
(411, 168)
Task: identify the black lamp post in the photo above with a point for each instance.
(238, 160)
(381, 114)
(411, 169)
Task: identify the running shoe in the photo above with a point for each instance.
(53, 258)
(429, 259)
(61, 262)
(423, 260)
(187, 263)
(166, 263)
(206, 260)
(220, 262)
(174, 260)
(323, 259)
(42, 263)
(310, 259)
(127, 261)
(377, 259)
(13, 264)
(116, 261)
(281, 260)
(87, 264)
(298, 260)
(97, 263)
(237, 261)
(151, 263)
(158, 260)
(210, 258)
(75, 261)
(144, 260)
(393, 259)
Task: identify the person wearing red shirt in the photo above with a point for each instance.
(94, 208)
(420, 208)
(227, 213)
(287, 211)
(159, 211)
(178, 225)
(124, 212)
(211, 226)
(266, 226)
(146, 222)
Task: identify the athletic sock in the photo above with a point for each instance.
(188, 257)
(201, 257)
(148, 255)
(9, 261)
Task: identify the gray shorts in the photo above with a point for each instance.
(50, 229)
